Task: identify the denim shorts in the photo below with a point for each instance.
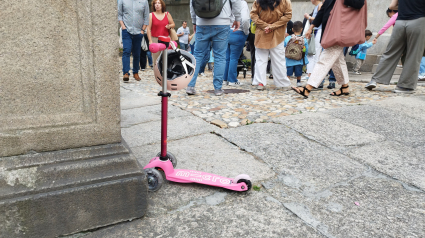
(297, 69)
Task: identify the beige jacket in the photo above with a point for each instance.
(276, 19)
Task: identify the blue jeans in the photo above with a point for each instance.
(131, 44)
(183, 46)
(219, 35)
(149, 54)
(206, 59)
(234, 49)
(332, 78)
(297, 69)
(422, 68)
(192, 48)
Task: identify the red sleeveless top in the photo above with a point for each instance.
(158, 27)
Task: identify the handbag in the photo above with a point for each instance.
(346, 26)
(173, 34)
(311, 45)
(171, 31)
(145, 46)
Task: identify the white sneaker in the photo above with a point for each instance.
(305, 78)
(421, 77)
(225, 83)
(237, 83)
(299, 84)
(357, 72)
(202, 74)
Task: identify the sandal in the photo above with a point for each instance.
(340, 90)
(302, 93)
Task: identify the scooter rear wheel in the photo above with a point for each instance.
(243, 178)
(247, 182)
(154, 178)
(171, 157)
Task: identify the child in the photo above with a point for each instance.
(296, 66)
(361, 55)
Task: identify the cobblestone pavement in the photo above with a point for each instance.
(238, 109)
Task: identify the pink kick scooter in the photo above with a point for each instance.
(166, 161)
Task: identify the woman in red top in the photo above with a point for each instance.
(160, 22)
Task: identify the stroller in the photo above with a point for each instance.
(242, 65)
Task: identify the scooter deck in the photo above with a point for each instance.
(192, 176)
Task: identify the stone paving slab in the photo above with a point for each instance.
(413, 107)
(134, 116)
(236, 215)
(196, 153)
(368, 206)
(150, 132)
(328, 130)
(397, 160)
(133, 99)
(306, 164)
(393, 125)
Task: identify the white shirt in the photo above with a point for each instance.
(184, 38)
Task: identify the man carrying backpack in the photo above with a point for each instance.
(211, 22)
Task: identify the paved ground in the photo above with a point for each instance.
(351, 166)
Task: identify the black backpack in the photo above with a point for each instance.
(208, 8)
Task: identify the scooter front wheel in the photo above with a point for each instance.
(171, 157)
(154, 178)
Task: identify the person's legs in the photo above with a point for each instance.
(203, 39)
(422, 68)
(127, 44)
(142, 59)
(415, 32)
(261, 59)
(236, 42)
(289, 71)
(149, 54)
(220, 41)
(155, 55)
(226, 69)
(298, 70)
(278, 65)
(391, 57)
(192, 49)
(340, 67)
(332, 79)
(327, 60)
(359, 63)
(183, 46)
(205, 59)
(251, 39)
(136, 48)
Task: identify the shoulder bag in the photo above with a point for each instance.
(346, 26)
(173, 33)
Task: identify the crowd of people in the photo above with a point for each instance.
(317, 45)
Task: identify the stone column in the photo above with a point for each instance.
(63, 165)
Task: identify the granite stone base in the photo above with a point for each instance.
(57, 193)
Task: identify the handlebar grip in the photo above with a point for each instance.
(156, 47)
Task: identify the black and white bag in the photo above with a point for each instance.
(208, 8)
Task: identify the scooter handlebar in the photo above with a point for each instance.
(156, 47)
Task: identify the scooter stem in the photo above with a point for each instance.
(164, 102)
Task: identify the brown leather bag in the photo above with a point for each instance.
(346, 26)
